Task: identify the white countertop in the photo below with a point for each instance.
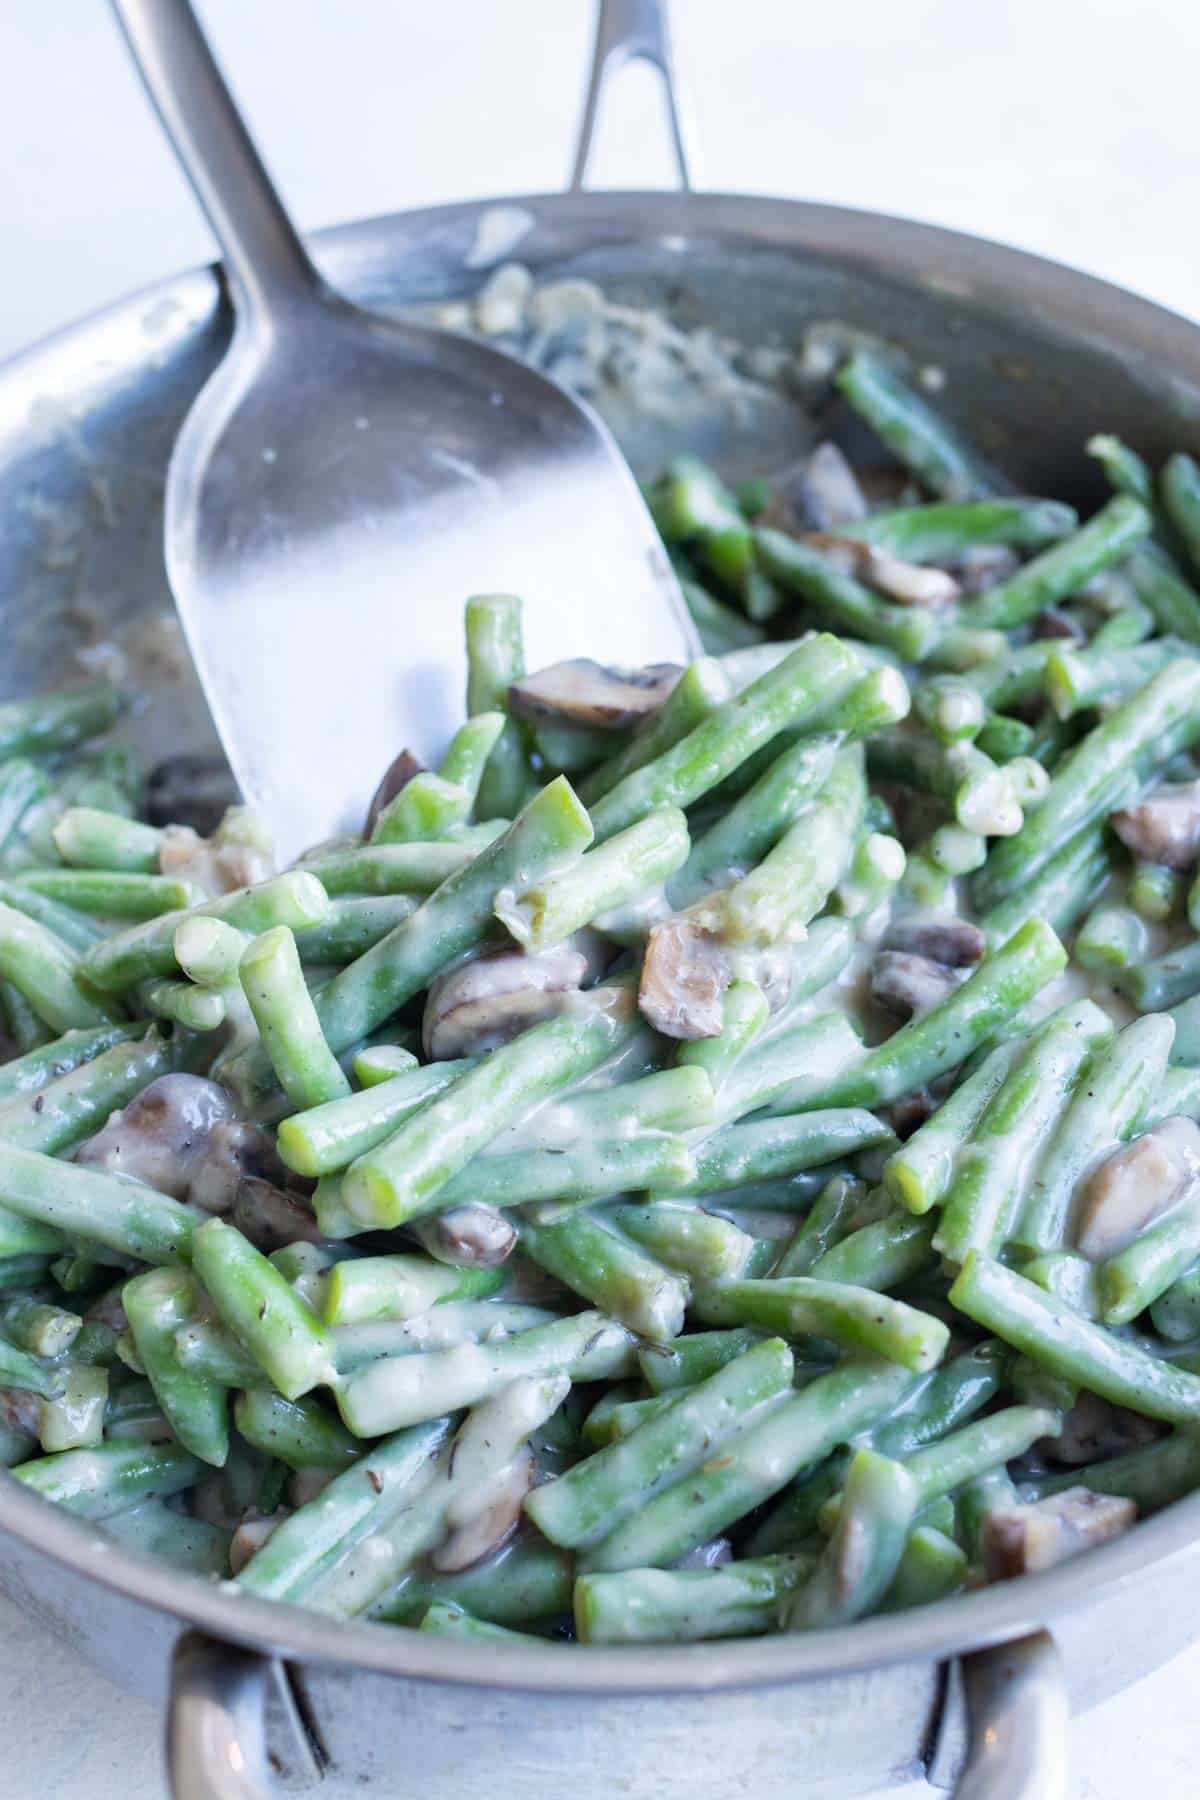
(1067, 126)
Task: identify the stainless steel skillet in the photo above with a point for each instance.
(1035, 357)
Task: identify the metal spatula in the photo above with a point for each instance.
(344, 482)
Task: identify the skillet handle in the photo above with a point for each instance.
(1016, 1719)
(634, 31)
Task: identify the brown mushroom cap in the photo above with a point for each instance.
(817, 493)
(583, 692)
(912, 584)
(162, 1135)
(1165, 827)
(485, 1002)
(474, 1236)
(909, 985)
(1020, 1540)
(1134, 1185)
(394, 779)
(685, 972)
(942, 937)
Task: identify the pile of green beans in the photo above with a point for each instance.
(604, 1257)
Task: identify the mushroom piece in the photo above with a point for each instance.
(1134, 1185)
(1165, 828)
(818, 493)
(271, 1218)
(910, 1112)
(20, 1410)
(1095, 1429)
(685, 972)
(583, 692)
(395, 777)
(984, 566)
(912, 584)
(236, 1150)
(939, 937)
(484, 1531)
(1054, 623)
(163, 1135)
(490, 999)
(252, 1533)
(474, 1236)
(109, 1309)
(909, 985)
(1020, 1540)
(190, 789)
(238, 854)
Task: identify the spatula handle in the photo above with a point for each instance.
(634, 31)
(268, 267)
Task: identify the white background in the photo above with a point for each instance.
(1070, 127)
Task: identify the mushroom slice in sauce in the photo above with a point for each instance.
(252, 1533)
(1054, 623)
(395, 777)
(1134, 1185)
(818, 493)
(912, 584)
(583, 692)
(474, 1236)
(940, 937)
(984, 566)
(1165, 827)
(237, 1149)
(908, 985)
(1095, 1429)
(1020, 1540)
(161, 1136)
(237, 855)
(498, 1517)
(271, 1218)
(685, 972)
(485, 1002)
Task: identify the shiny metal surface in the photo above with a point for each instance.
(635, 31)
(344, 481)
(1035, 357)
(1017, 1712)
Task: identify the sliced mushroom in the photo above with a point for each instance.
(1134, 1185)
(20, 1410)
(469, 1237)
(271, 1218)
(191, 789)
(685, 972)
(984, 566)
(909, 1113)
(818, 493)
(1165, 828)
(912, 584)
(1054, 623)
(236, 1150)
(238, 854)
(252, 1533)
(583, 692)
(394, 779)
(1020, 1540)
(109, 1309)
(1094, 1429)
(940, 937)
(909, 985)
(485, 1002)
(497, 1518)
(162, 1136)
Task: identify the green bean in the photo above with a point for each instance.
(117, 895)
(832, 1218)
(880, 1256)
(679, 1606)
(395, 1391)
(609, 1424)
(1137, 1275)
(945, 1399)
(42, 968)
(157, 1304)
(799, 1430)
(295, 899)
(90, 839)
(109, 1478)
(1070, 1278)
(606, 1268)
(76, 932)
(377, 1063)
(1110, 939)
(266, 1315)
(58, 721)
(1179, 491)
(79, 1102)
(196, 1009)
(1060, 893)
(613, 875)
(691, 506)
(793, 880)
(841, 600)
(920, 1172)
(980, 793)
(495, 659)
(757, 820)
(763, 1149)
(274, 986)
(1066, 1344)
(1102, 773)
(39, 1328)
(1077, 679)
(931, 1567)
(686, 1360)
(1176, 1314)
(912, 431)
(798, 1306)
(703, 687)
(398, 1287)
(744, 1013)
(943, 531)
(586, 1503)
(1154, 1476)
(701, 1245)
(793, 1520)
(549, 834)
(300, 1433)
(402, 1177)
(328, 1137)
(1159, 585)
(1163, 982)
(1063, 569)
(527, 1579)
(718, 626)
(1127, 472)
(426, 810)
(1155, 892)
(107, 1210)
(809, 676)
(862, 1557)
(993, 1168)
(379, 870)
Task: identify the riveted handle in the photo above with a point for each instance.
(634, 31)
